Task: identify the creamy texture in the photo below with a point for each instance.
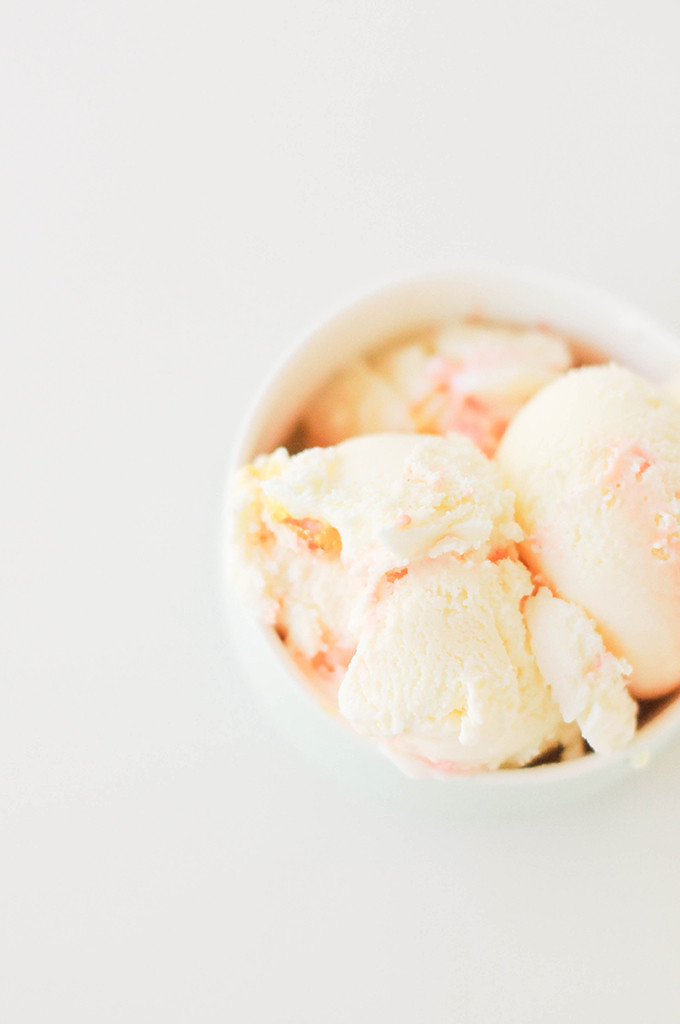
(672, 388)
(443, 671)
(317, 531)
(469, 378)
(594, 460)
(388, 565)
(399, 497)
(586, 680)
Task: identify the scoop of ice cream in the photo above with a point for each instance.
(397, 496)
(359, 400)
(586, 680)
(316, 531)
(594, 460)
(465, 377)
(443, 677)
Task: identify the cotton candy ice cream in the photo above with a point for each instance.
(469, 378)
(594, 460)
(388, 565)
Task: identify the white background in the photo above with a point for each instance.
(184, 190)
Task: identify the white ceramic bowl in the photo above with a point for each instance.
(608, 325)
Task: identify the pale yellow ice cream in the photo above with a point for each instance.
(388, 564)
(594, 460)
(470, 378)
(672, 388)
(443, 676)
(586, 680)
(316, 532)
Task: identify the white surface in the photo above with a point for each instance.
(185, 189)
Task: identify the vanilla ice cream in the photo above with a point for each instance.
(388, 565)
(443, 677)
(672, 388)
(594, 460)
(465, 377)
(317, 531)
(587, 681)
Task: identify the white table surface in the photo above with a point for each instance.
(184, 190)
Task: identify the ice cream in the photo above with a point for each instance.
(594, 461)
(586, 680)
(388, 565)
(465, 377)
(672, 388)
(316, 532)
(443, 677)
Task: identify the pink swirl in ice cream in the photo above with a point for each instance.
(595, 462)
(468, 377)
